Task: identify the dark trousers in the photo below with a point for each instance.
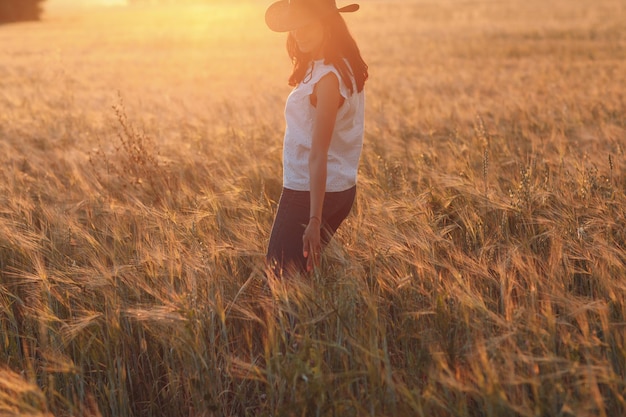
(284, 252)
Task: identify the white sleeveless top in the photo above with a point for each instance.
(345, 145)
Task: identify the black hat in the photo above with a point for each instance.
(286, 15)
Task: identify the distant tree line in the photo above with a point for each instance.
(20, 10)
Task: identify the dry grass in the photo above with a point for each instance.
(480, 274)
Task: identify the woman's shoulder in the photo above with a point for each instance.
(322, 68)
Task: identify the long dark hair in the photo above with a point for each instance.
(339, 47)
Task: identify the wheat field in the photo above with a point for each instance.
(481, 272)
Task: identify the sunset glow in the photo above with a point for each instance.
(480, 272)
(83, 3)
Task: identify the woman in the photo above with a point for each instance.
(324, 134)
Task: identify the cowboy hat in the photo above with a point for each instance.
(287, 15)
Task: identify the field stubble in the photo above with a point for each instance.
(481, 272)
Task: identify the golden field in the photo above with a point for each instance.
(481, 273)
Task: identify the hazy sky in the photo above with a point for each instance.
(54, 3)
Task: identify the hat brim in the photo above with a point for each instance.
(283, 17)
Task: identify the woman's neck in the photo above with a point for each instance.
(318, 53)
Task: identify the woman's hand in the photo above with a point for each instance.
(311, 241)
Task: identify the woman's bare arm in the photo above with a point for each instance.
(328, 102)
